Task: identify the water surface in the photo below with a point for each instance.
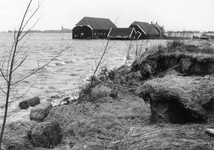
(66, 73)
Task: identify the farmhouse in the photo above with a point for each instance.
(92, 28)
(160, 29)
(144, 30)
(122, 34)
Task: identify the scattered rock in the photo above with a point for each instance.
(41, 111)
(66, 101)
(31, 102)
(55, 96)
(209, 132)
(46, 134)
(16, 136)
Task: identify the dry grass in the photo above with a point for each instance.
(16, 135)
(178, 48)
(167, 137)
(97, 125)
(192, 91)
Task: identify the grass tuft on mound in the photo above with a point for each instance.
(17, 134)
(184, 58)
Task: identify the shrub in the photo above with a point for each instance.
(174, 44)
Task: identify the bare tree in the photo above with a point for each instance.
(15, 59)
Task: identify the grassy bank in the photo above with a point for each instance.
(164, 100)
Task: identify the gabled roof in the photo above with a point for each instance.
(146, 27)
(96, 23)
(158, 28)
(121, 32)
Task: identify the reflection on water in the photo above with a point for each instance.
(69, 71)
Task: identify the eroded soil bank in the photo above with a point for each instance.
(164, 100)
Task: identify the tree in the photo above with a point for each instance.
(14, 59)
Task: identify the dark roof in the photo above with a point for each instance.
(121, 32)
(158, 28)
(146, 27)
(97, 23)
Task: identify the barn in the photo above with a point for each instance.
(144, 30)
(159, 28)
(92, 28)
(122, 34)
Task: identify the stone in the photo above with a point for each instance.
(31, 102)
(46, 134)
(41, 111)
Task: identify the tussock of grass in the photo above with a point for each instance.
(16, 136)
(98, 125)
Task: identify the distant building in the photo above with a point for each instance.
(122, 34)
(160, 29)
(144, 30)
(92, 28)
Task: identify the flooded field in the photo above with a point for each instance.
(69, 71)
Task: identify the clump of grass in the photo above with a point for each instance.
(17, 134)
(85, 90)
(174, 44)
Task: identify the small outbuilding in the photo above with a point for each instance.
(144, 30)
(122, 34)
(92, 28)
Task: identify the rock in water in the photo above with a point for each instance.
(46, 134)
(25, 104)
(41, 111)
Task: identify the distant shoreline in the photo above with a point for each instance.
(42, 31)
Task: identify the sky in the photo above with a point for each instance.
(176, 15)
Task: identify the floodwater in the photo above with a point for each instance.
(67, 73)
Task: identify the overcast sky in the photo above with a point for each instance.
(172, 14)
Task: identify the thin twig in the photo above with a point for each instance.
(40, 68)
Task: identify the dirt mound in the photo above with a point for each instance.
(186, 60)
(179, 99)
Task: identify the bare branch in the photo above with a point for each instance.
(23, 59)
(20, 48)
(100, 61)
(31, 16)
(40, 68)
(28, 30)
(9, 58)
(2, 73)
(10, 64)
(3, 90)
(22, 22)
(17, 98)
